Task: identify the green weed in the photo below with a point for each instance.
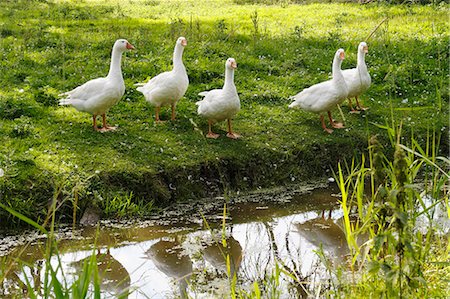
(402, 255)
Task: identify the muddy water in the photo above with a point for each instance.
(176, 253)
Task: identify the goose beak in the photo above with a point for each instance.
(184, 42)
(366, 49)
(234, 64)
(342, 55)
(130, 46)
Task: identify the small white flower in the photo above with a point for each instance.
(2, 172)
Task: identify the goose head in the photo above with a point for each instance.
(123, 45)
(340, 54)
(182, 41)
(363, 48)
(231, 63)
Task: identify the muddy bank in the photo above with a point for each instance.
(262, 204)
(251, 171)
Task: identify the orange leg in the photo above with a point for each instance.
(351, 106)
(329, 131)
(105, 125)
(333, 123)
(94, 119)
(173, 112)
(210, 132)
(359, 105)
(230, 132)
(157, 109)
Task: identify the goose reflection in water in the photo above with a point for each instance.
(170, 258)
(216, 254)
(13, 284)
(114, 278)
(326, 233)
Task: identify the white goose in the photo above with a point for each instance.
(169, 87)
(357, 79)
(326, 95)
(220, 104)
(98, 95)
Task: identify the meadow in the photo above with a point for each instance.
(53, 165)
(48, 152)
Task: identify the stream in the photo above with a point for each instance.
(183, 251)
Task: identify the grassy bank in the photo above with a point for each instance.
(47, 47)
(395, 230)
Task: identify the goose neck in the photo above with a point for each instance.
(336, 70)
(178, 57)
(229, 77)
(115, 70)
(361, 63)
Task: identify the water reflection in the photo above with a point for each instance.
(13, 281)
(170, 258)
(113, 276)
(223, 252)
(324, 232)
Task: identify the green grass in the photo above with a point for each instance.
(48, 47)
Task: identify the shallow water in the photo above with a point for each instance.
(176, 253)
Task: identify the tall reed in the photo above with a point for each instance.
(392, 228)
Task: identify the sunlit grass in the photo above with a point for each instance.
(53, 46)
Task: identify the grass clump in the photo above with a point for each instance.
(48, 278)
(403, 221)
